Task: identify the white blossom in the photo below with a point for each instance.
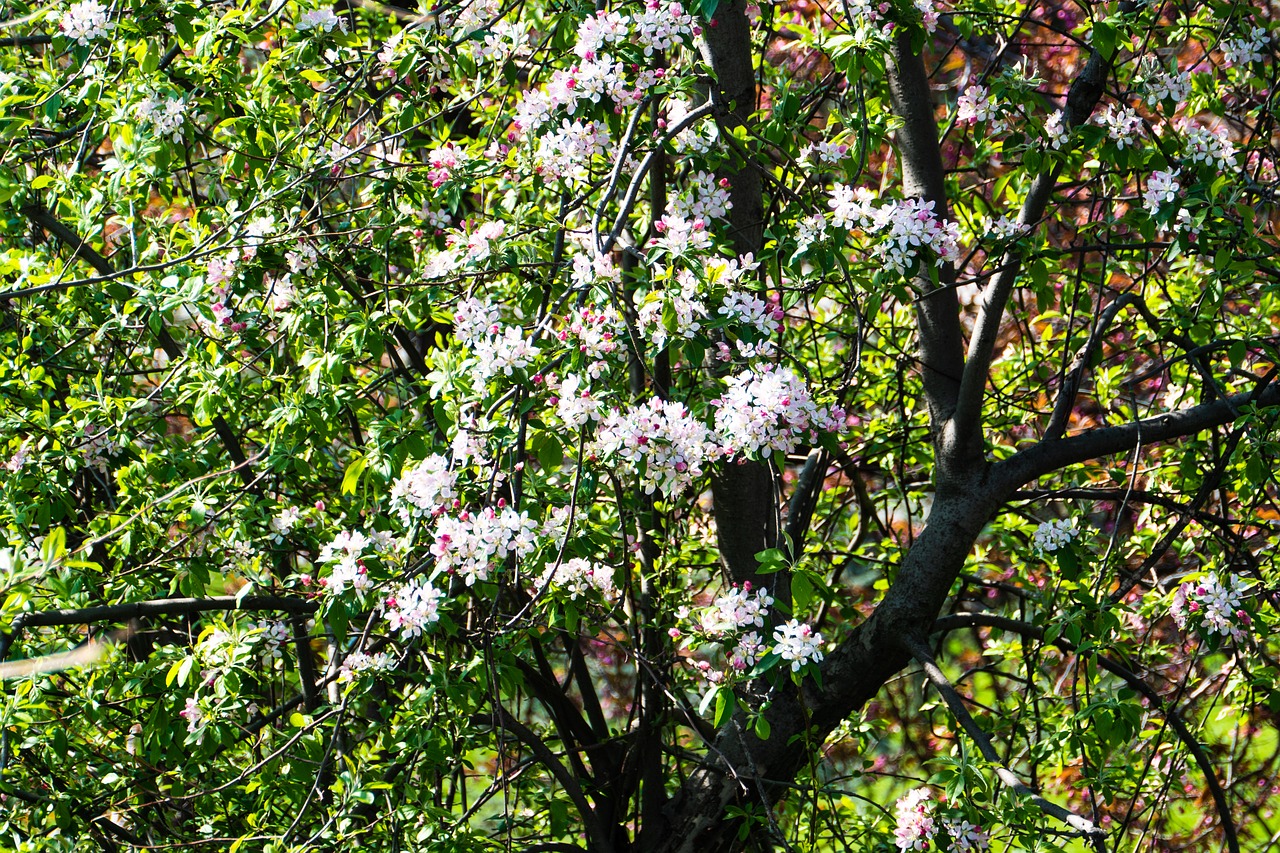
(321, 19)
(798, 643)
(86, 22)
(1053, 535)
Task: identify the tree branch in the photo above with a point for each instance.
(941, 342)
(1075, 372)
(81, 249)
(1082, 97)
(160, 607)
(1087, 828)
(1135, 682)
(599, 838)
(1047, 456)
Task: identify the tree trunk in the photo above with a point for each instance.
(741, 769)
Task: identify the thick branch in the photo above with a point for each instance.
(160, 607)
(941, 343)
(746, 496)
(1048, 456)
(1082, 97)
(25, 41)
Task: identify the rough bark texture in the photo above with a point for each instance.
(746, 499)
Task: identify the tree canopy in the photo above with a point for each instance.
(556, 426)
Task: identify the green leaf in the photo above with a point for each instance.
(1069, 563)
(1104, 39)
(41, 182)
(762, 728)
(724, 702)
(550, 452)
(801, 590)
(709, 8)
(351, 477)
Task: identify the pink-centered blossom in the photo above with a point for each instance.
(977, 105)
(768, 410)
(1162, 189)
(660, 440)
(798, 643)
(413, 608)
(474, 544)
(1216, 606)
(423, 488)
(915, 823)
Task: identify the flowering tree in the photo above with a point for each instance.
(548, 426)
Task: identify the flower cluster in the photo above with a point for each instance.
(661, 27)
(568, 151)
(680, 236)
(1160, 85)
(1246, 49)
(903, 227)
(85, 22)
(1053, 535)
(579, 576)
(1210, 147)
(671, 310)
(917, 826)
(737, 609)
(275, 633)
(423, 489)
(1122, 124)
(698, 137)
(750, 310)
(768, 410)
(965, 836)
(590, 268)
(1005, 228)
(470, 244)
(443, 162)
(798, 643)
(165, 115)
(345, 552)
(1218, 606)
(413, 608)
(574, 403)
(358, 663)
(661, 441)
(321, 19)
(749, 649)
(594, 331)
(915, 821)
(193, 714)
(1162, 189)
(474, 320)
(704, 199)
(809, 230)
(472, 543)
(978, 105)
(503, 353)
(1056, 133)
(827, 153)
